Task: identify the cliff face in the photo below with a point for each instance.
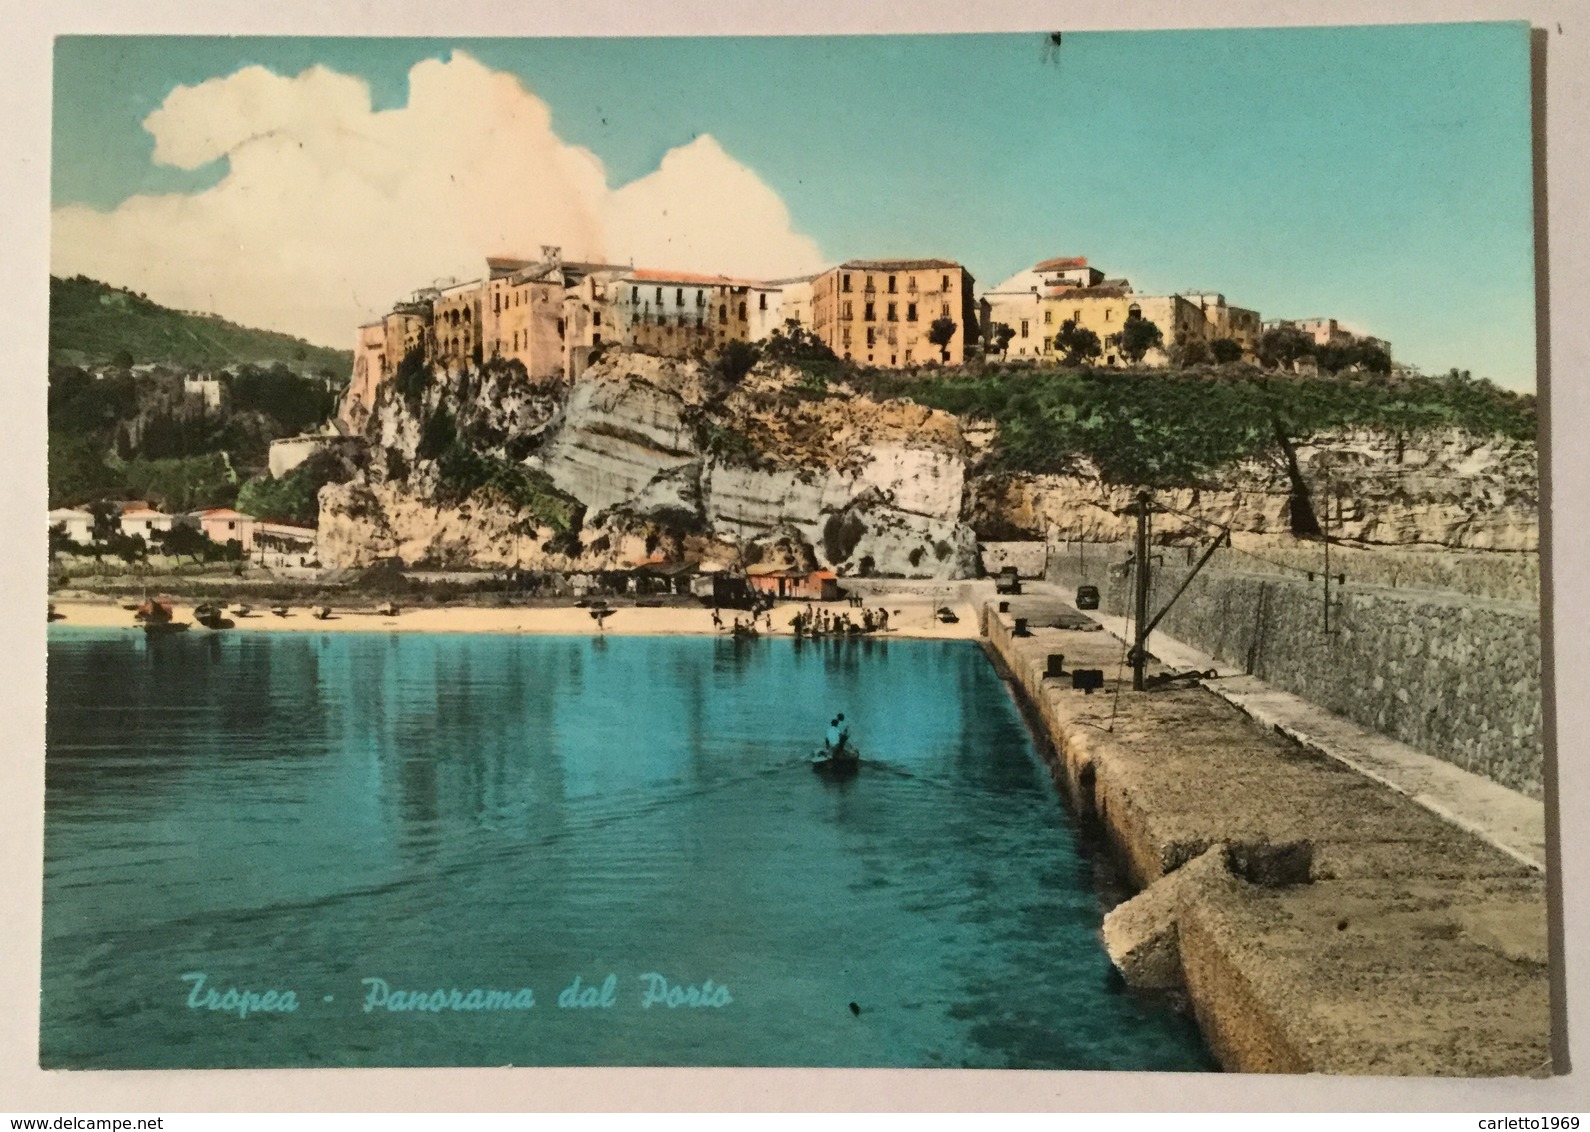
(646, 457)
(664, 458)
(1447, 489)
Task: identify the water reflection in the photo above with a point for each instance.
(317, 808)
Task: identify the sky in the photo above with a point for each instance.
(1381, 175)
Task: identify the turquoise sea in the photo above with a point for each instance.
(344, 816)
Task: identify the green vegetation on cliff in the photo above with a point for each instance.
(1161, 428)
(93, 323)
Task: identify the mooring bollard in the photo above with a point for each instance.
(1057, 665)
(1004, 607)
(1021, 627)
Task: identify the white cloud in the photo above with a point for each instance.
(330, 210)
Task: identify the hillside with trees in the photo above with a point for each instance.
(93, 323)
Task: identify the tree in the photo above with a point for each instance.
(1079, 343)
(1281, 346)
(183, 539)
(734, 361)
(1137, 338)
(1226, 350)
(1355, 355)
(999, 336)
(940, 333)
(1193, 352)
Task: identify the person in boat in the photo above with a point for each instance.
(837, 745)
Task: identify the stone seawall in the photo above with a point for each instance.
(1317, 921)
(1458, 677)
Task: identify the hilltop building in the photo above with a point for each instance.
(881, 312)
(553, 316)
(1328, 332)
(1038, 302)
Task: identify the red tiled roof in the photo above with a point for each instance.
(1062, 264)
(659, 275)
(899, 264)
(1100, 292)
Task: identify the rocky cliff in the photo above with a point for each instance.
(646, 457)
(1445, 489)
(650, 456)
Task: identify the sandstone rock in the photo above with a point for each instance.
(1141, 934)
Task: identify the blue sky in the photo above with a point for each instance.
(1378, 175)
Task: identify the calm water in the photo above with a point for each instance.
(307, 811)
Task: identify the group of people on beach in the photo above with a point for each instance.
(813, 621)
(816, 622)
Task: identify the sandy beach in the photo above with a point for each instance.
(911, 615)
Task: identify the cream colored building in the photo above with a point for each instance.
(880, 312)
(1241, 325)
(455, 333)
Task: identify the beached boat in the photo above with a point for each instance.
(210, 616)
(242, 610)
(279, 610)
(156, 617)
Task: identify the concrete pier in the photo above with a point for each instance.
(1319, 921)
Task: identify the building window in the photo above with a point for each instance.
(701, 298)
(679, 296)
(496, 302)
(890, 314)
(910, 286)
(944, 312)
(946, 282)
(1048, 317)
(1047, 342)
(869, 286)
(1024, 328)
(723, 315)
(1107, 313)
(596, 318)
(868, 313)
(742, 312)
(845, 310)
(910, 312)
(1077, 317)
(891, 285)
(872, 337)
(844, 336)
(908, 357)
(659, 296)
(761, 303)
(560, 328)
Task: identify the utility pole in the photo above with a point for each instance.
(1326, 468)
(1140, 646)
